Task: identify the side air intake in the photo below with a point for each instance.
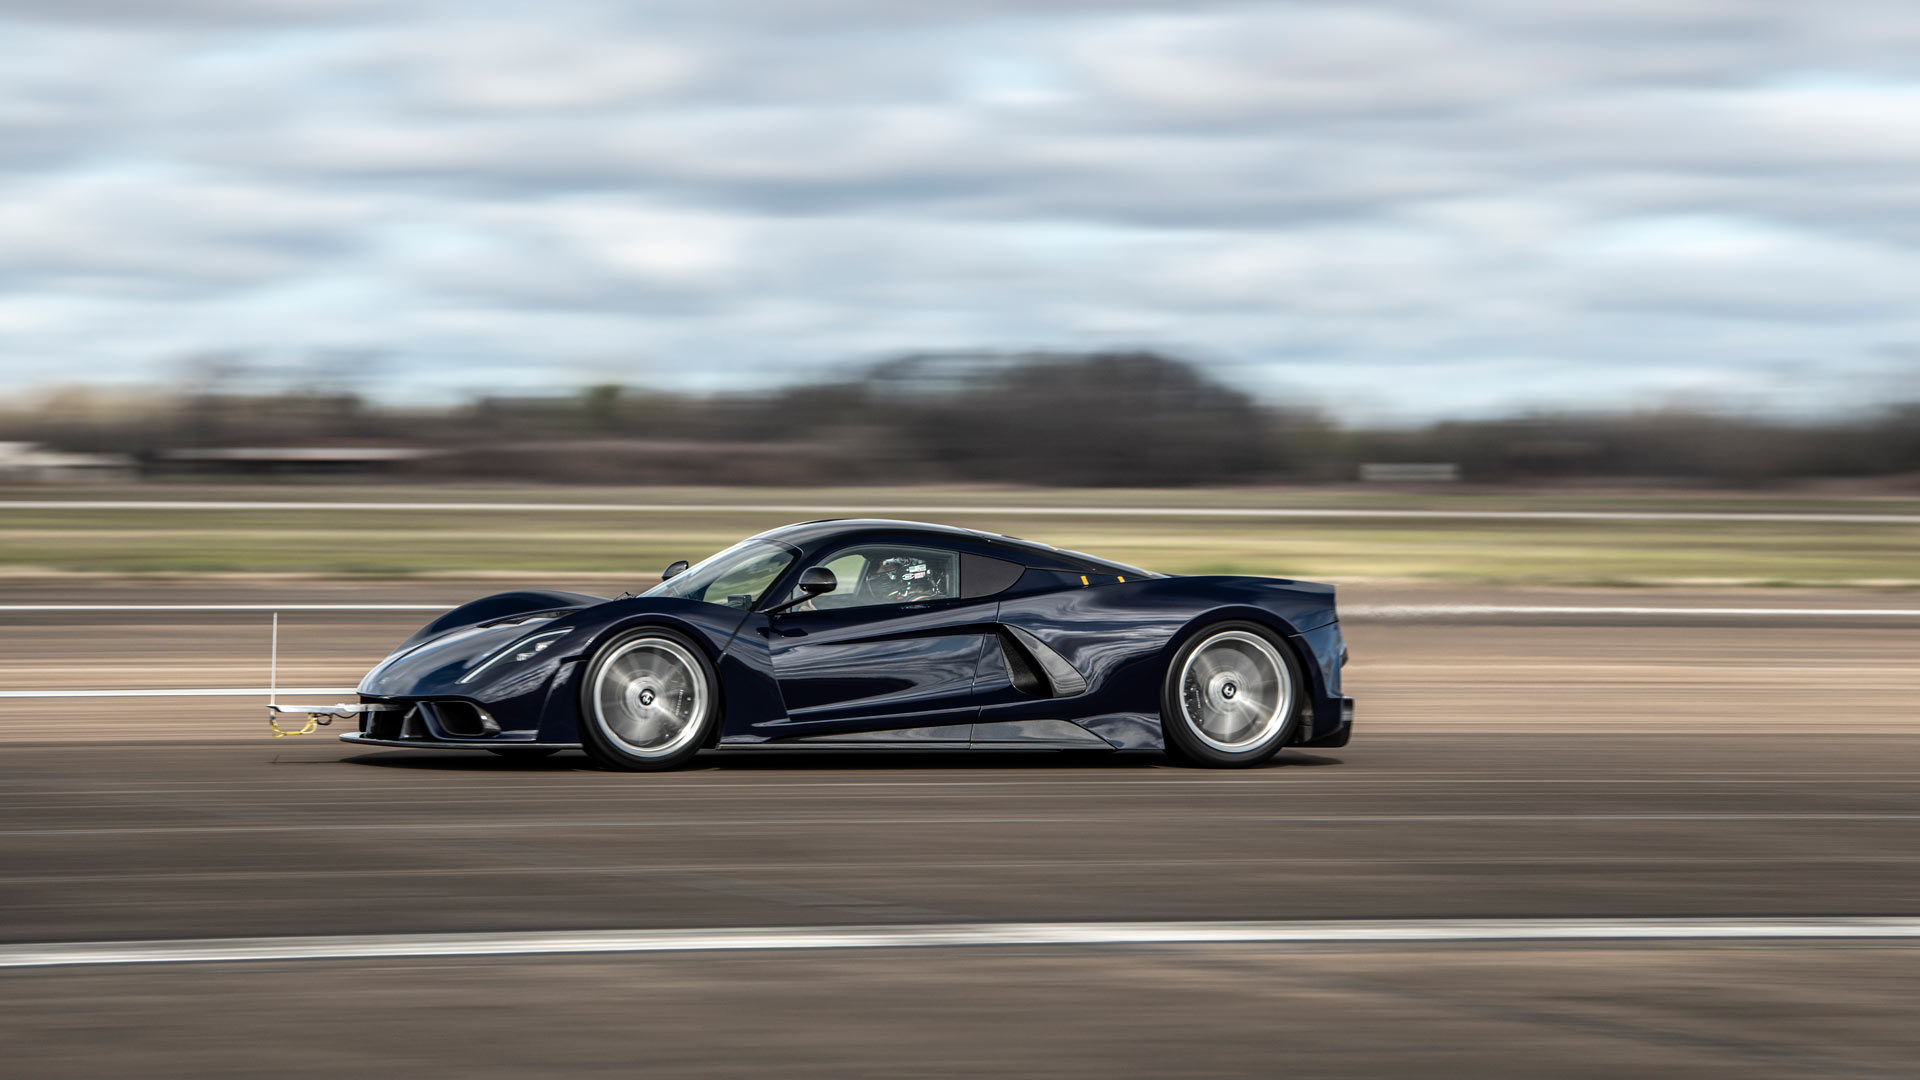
(1036, 669)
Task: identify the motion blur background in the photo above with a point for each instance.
(1664, 240)
(1577, 342)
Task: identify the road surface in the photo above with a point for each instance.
(1565, 771)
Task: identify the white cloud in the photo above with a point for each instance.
(1447, 204)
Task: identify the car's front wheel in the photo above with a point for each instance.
(1232, 696)
(648, 701)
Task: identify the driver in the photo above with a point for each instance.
(903, 579)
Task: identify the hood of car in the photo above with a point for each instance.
(456, 657)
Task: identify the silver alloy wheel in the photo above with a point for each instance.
(649, 696)
(1235, 691)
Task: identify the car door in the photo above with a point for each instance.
(895, 648)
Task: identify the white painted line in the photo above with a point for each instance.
(815, 510)
(260, 692)
(947, 935)
(1431, 611)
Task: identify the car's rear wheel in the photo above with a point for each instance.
(648, 701)
(1232, 696)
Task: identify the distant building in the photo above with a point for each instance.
(306, 460)
(30, 463)
(1410, 472)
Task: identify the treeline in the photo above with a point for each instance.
(1051, 419)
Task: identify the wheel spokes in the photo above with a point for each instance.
(1235, 690)
(650, 697)
(638, 665)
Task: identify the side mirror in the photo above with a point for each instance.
(674, 569)
(814, 581)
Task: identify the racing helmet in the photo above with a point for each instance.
(903, 578)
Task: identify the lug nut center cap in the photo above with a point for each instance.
(1228, 691)
(646, 697)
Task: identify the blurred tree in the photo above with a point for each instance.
(206, 387)
(601, 406)
(1100, 420)
(1107, 418)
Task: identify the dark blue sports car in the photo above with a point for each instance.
(859, 634)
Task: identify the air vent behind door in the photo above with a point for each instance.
(1036, 669)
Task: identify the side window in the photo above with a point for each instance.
(888, 574)
(982, 576)
(848, 568)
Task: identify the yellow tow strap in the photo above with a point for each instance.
(313, 725)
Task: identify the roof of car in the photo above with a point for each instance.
(1029, 552)
(807, 532)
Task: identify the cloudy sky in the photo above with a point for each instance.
(1403, 209)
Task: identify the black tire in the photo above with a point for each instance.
(669, 690)
(1256, 653)
(523, 753)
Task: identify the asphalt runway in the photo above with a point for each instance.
(1568, 768)
(140, 841)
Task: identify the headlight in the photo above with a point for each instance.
(525, 649)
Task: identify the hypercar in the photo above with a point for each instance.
(868, 634)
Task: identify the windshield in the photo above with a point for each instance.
(735, 577)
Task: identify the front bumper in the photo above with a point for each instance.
(437, 722)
